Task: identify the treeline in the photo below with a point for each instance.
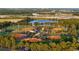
(6, 11)
(5, 24)
(29, 11)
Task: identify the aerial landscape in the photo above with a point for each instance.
(39, 29)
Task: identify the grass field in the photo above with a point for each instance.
(12, 20)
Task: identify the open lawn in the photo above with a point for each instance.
(11, 20)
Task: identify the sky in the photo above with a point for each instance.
(39, 3)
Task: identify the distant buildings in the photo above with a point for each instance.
(4, 16)
(54, 15)
(35, 14)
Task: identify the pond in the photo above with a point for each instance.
(43, 21)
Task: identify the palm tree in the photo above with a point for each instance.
(73, 30)
(13, 43)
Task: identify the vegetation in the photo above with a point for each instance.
(41, 38)
(10, 43)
